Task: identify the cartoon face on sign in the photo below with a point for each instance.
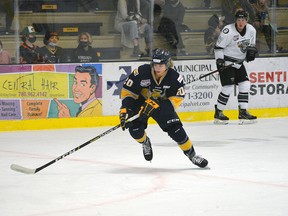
(86, 80)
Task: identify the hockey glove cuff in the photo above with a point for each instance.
(220, 63)
(148, 108)
(124, 114)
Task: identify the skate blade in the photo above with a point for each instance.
(220, 122)
(247, 121)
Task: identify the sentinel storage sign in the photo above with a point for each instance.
(269, 86)
(268, 76)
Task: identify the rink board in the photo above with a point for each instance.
(42, 124)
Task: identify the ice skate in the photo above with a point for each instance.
(219, 117)
(245, 117)
(197, 160)
(147, 150)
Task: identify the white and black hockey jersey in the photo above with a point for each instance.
(232, 45)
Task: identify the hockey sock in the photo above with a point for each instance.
(187, 148)
(243, 99)
(222, 100)
(224, 95)
(142, 139)
(243, 95)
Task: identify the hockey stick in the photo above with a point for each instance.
(25, 170)
(212, 72)
(205, 75)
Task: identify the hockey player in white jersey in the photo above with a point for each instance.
(235, 44)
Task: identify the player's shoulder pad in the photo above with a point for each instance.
(140, 70)
(175, 75)
(225, 30)
(250, 27)
(144, 68)
(173, 72)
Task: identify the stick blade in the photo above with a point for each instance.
(22, 169)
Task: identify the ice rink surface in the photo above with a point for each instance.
(248, 173)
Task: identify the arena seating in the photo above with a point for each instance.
(68, 28)
(104, 53)
(106, 39)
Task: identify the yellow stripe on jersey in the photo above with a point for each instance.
(186, 146)
(176, 101)
(125, 93)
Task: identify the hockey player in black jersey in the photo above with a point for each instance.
(156, 90)
(235, 44)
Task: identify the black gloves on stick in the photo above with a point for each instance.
(124, 114)
(220, 63)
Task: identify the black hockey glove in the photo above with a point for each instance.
(148, 108)
(220, 63)
(124, 114)
(251, 53)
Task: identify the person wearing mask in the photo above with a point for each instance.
(51, 52)
(5, 57)
(84, 52)
(29, 52)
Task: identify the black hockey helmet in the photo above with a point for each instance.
(241, 14)
(161, 56)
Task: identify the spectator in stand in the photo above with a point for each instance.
(5, 57)
(7, 7)
(130, 23)
(207, 3)
(29, 52)
(84, 52)
(230, 7)
(145, 9)
(215, 24)
(159, 3)
(51, 52)
(263, 25)
(171, 24)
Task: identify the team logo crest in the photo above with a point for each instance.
(145, 83)
(225, 30)
(243, 45)
(236, 37)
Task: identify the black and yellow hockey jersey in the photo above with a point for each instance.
(142, 84)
